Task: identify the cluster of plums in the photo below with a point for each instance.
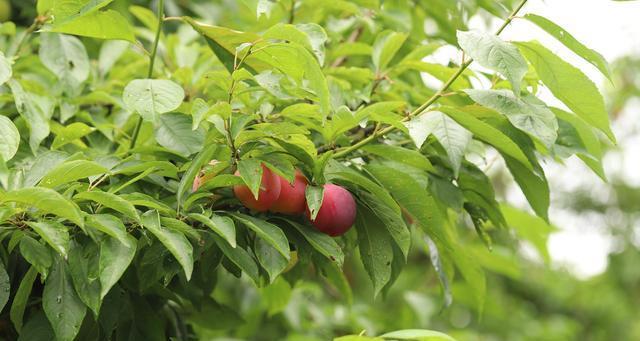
(337, 212)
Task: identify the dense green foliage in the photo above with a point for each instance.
(111, 111)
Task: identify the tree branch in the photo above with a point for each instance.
(418, 111)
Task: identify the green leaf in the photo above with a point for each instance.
(108, 24)
(592, 155)
(321, 242)
(493, 53)
(534, 186)
(9, 138)
(115, 257)
(295, 61)
(452, 136)
(570, 85)
(337, 171)
(240, 257)
(111, 201)
(531, 228)
(413, 197)
(526, 113)
(186, 182)
(392, 221)
(251, 173)
(223, 226)
(591, 56)
(54, 233)
(224, 41)
(357, 338)
(5, 286)
(83, 269)
(173, 240)
(272, 234)
(488, 134)
(173, 132)
(35, 110)
(310, 36)
(70, 133)
(276, 296)
(270, 259)
(152, 97)
(314, 196)
(385, 48)
(402, 155)
(67, 58)
(64, 309)
(47, 201)
(111, 226)
(417, 335)
(22, 296)
(71, 171)
(36, 254)
(376, 250)
(5, 69)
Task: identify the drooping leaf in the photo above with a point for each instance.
(570, 85)
(111, 201)
(375, 248)
(9, 138)
(36, 111)
(64, 309)
(5, 69)
(321, 242)
(67, 58)
(271, 233)
(174, 133)
(492, 52)
(45, 200)
(269, 258)
(54, 233)
(488, 134)
(173, 240)
(314, 196)
(223, 226)
(240, 257)
(22, 296)
(385, 48)
(526, 113)
(451, 135)
(36, 254)
(115, 258)
(110, 225)
(251, 173)
(152, 97)
(5, 286)
(591, 56)
(71, 171)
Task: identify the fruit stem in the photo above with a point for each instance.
(152, 59)
(436, 96)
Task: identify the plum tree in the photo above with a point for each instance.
(268, 194)
(337, 212)
(292, 199)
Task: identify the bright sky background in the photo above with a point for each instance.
(613, 29)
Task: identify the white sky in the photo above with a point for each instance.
(613, 29)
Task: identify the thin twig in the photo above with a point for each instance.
(418, 111)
